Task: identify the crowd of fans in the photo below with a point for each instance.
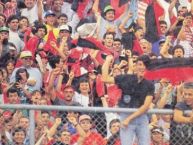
(88, 53)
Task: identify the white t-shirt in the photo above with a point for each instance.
(15, 39)
(31, 14)
(81, 99)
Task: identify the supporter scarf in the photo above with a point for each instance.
(176, 70)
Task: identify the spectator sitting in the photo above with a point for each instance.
(89, 136)
(157, 136)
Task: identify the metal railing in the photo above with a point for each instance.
(32, 109)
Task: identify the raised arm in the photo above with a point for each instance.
(71, 77)
(164, 50)
(75, 123)
(62, 48)
(53, 129)
(95, 6)
(192, 7)
(163, 99)
(123, 23)
(50, 87)
(105, 70)
(170, 9)
(40, 10)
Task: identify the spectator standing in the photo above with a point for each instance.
(181, 127)
(34, 73)
(136, 93)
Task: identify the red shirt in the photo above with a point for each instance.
(93, 139)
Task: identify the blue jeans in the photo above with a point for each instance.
(136, 128)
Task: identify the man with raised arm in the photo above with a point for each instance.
(137, 92)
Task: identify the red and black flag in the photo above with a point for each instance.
(153, 13)
(176, 70)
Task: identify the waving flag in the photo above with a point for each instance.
(47, 46)
(176, 70)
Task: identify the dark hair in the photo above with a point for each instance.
(177, 47)
(1, 71)
(35, 91)
(137, 27)
(135, 53)
(162, 22)
(23, 17)
(109, 33)
(83, 80)
(12, 90)
(19, 129)
(113, 121)
(10, 61)
(11, 18)
(54, 60)
(188, 14)
(145, 59)
(188, 85)
(18, 76)
(58, 143)
(38, 26)
(117, 39)
(2, 15)
(12, 45)
(45, 112)
(62, 15)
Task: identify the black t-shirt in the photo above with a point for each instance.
(181, 133)
(183, 106)
(133, 93)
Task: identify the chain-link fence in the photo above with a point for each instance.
(58, 125)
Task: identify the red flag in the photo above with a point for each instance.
(119, 8)
(32, 45)
(159, 11)
(114, 94)
(47, 46)
(175, 70)
(100, 86)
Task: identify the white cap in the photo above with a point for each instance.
(64, 27)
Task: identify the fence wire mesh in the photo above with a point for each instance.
(72, 127)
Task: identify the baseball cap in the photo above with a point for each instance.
(50, 13)
(157, 129)
(108, 8)
(64, 27)
(25, 54)
(4, 29)
(84, 117)
(162, 40)
(7, 114)
(180, 7)
(12, 48)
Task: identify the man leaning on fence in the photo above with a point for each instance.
(137, 92)
(182, 127)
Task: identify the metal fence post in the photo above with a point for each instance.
(32, 126)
